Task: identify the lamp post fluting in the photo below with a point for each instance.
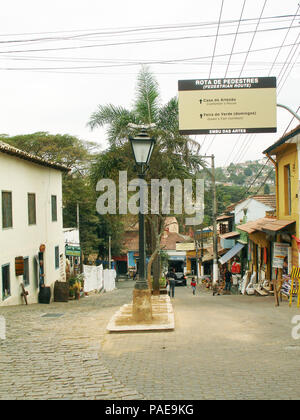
(142, 147)
(141, 282)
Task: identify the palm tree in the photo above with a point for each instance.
(145, 110)
(174, 156)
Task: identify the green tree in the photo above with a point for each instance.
(174, 156)
(76, 154)
(266, 189)
(247, 171)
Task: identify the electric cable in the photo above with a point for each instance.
(284, 39)
(235, 37)
(255, 32)
(143, 41)
(216, 40)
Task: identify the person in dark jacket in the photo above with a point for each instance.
(171, 276)
(228, 279)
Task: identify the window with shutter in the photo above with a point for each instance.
(31, 209)
(7, 209)
(56, 257)
(5, 281)
(54, 208)
(26, 272)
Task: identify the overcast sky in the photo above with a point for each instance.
(53, 85)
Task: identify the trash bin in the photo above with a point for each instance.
(45, 295)
(61, 291)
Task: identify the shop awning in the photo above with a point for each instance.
(225, 218)
(229, 235)
(265, 224)
(176, 258)
(237, 247)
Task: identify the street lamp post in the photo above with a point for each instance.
(142, 147)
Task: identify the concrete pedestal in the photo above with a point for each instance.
(142, 307)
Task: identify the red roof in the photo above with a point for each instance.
(267, 199)
(265, 223)
(13, 151)
(168, 241)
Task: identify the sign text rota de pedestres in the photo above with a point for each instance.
(227, 106)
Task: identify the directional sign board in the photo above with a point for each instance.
(227, 106)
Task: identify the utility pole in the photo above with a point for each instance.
(201, 255)
(77, 215)
(197, 255)
(199, 259)
(215, 233)
(215, 243)
(109, 252)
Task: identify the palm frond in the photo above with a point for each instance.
(107, 114)
(147, 97)
(117, 118)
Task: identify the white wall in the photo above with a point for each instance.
(256, 210)
(22, 177)
(71, 236)
(95, 278)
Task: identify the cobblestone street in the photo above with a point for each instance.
(223, 347)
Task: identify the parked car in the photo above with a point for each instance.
(180, 279)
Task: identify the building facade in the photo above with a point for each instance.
(285, 155)
(31, 226)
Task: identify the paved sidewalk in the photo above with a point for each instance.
(232, 347)
(223, 347)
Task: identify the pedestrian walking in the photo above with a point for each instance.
(228, 279)
(194, 285)
(171, 276)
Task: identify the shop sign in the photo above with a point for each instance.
(73, 251)
(280, 252)
(190, 246)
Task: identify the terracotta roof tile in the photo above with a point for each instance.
(265, 223)
(13, 151)
(267, 199)
(168, 241)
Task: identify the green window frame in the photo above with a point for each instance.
(56, 252)
(54, 208)
(7, 219)
(31, 209)
(26, 280)
(5, 277)
(287, 190)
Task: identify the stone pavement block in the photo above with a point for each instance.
(220, 348)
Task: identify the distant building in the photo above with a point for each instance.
(128, 260)
(72, 250)
(30, 224)
(253, 208)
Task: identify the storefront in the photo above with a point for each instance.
(73, 256)
(269, 248)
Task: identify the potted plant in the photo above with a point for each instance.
(77, 288)
(72, 281)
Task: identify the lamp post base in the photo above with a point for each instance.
(142, 308)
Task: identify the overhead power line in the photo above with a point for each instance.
(143, 41)
(122, 30)
(149, 62)
(254, 33)
(235, 37)
(212, 59)
(244, 147)
(283, 41)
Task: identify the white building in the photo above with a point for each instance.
(254, 208)
(30, 216)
